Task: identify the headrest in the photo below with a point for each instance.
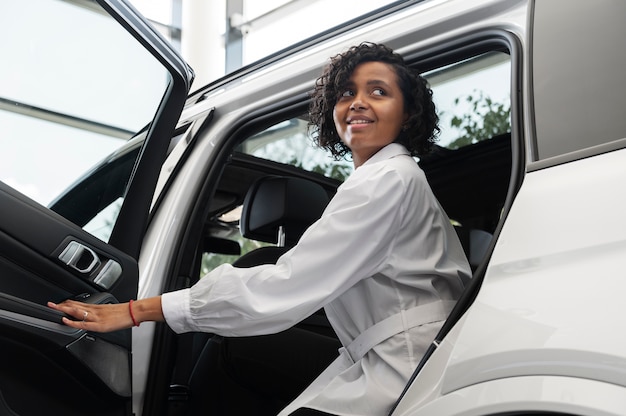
(273, 201)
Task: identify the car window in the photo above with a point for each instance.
(71, 105)
(473, 103)
(101, 225)
(578, 102)
(289, 142)
(473, 99)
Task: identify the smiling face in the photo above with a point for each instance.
(370, 111)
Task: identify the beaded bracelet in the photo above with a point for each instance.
(132, 316)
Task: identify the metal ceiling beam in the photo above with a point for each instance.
(64, 119)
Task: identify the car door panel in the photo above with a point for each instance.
(34, 238)
(32, 335)
(56, 370)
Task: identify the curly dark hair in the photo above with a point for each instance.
(421, 129)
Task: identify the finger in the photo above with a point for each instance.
(84, 325)
(60, 306)
(66, 309)
(74, 309)
(53, 305)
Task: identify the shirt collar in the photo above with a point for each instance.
(387, 152)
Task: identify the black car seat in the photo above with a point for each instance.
(475, 243)
(277, 210)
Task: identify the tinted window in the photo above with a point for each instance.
(288, 142)
(579, 82)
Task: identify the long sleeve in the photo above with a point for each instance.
(350, 242)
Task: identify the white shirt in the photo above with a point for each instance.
(382, 247)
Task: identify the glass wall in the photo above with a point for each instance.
(276, 24)
(264, 27)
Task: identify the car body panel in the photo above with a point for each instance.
(534, 395)
(536, 312)
(548, 304)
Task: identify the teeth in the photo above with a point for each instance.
(360, 122)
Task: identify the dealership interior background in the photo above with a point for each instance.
(218, 36)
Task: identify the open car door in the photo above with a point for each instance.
(89, 98)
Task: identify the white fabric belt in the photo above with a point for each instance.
(374, 335)
(395, 324)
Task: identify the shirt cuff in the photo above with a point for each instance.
(175, 307)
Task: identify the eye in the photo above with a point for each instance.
(378, 91)
(346, 93)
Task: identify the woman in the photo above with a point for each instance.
(383, 260)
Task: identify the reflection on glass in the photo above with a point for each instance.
(289, 142)
(473, 99)
(74, 87)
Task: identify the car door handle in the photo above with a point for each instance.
(79, 257)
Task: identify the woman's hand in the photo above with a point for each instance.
(109, 317)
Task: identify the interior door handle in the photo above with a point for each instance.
(79, 257)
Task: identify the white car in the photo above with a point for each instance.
(115, 184)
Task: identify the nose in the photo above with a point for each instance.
(358, 104)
